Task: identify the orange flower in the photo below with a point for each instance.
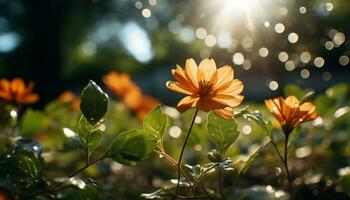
(130, 93)
(148, 103)
(290, 113)
(208, 88)
(70, 97)
(16, 91)
(120, 84)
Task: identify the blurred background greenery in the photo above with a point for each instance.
(270, 43)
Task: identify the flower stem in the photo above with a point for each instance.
(182, 151)
(285, 162)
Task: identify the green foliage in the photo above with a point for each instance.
(21, 165)
(155, 123)
(242, 164)
(132, 146)
(94, 102)
(32, 122)
(221, 132)
(294, 90)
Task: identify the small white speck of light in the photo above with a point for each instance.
(138, 5)
(198, 120)
(302, 10)
(273, 85)
(305, 57)
(146, 13)
(263, 52)
(247, 64)
(283, 11)
(247, 42)
(304, 73)
(339, 38)
(68, 132)
(175, 131)
(293, 37)
(303, 152)
(327, 76)
(283, 56)
(210, 40)
(152, 2)
(329, 45)
(319, 62)
(329, 6)
(267, 23)
(238, 58)
(279, 28)
(201, 33)
(289, 65)
(13, 113)
(344, 60)
(246, 129)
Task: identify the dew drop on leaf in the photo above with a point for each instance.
(161, 156)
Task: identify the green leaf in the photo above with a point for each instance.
(155, 123)
(324, 104)
(21, 165)
(294, 90)
(94, 140)
(221, 132)
(32, 122)
(132, 146)
(243, 163)
(338, 91)
(94, 102)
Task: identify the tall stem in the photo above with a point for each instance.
(285, 162)
(182, 151)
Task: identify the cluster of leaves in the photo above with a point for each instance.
(61, 153)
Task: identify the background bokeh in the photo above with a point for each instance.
(270, 43)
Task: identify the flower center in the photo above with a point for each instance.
(205, 88)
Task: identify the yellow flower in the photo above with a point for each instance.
(290, 113)
(16, 91)
(208, 88)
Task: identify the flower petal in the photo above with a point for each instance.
(232, 88)
(17, 86)
(228, 100)
(206, 70)
(224, 75)
(180, 76)
(177, 87)
(191, 71)
(226, 113)
(186, 103)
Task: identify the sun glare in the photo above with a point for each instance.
(233, 13)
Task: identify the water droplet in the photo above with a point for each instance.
(161, 156)
(278, 171)
(35, 148)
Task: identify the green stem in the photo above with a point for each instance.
(182, 151)
(285, 162)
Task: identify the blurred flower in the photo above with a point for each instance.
(290, 113)
(208, 88)
(130, 93)
(3, 195)
(120, 84)
(71, 98)
(16, 91)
